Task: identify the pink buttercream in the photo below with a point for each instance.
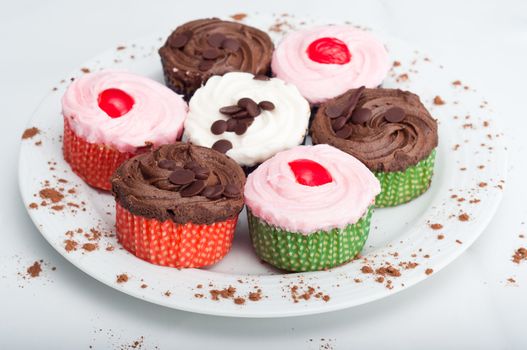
(318, 82)
(157, 115)
(273, 194)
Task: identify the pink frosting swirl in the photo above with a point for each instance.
(156, 117)
(318, 82)
(273, 194)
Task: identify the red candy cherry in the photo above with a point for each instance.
(115, 102)
(329, 51)
(310, 173)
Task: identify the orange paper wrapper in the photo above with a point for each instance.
(171, 244)
(94, 163)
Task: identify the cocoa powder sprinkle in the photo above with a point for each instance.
(35, 269)
(30, 132)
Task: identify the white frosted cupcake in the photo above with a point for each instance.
(250, 118)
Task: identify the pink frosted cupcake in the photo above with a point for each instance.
(309, 208)
(324, 62)
(110, 116)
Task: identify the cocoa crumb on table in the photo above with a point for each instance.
(70, 245)
(90, 247)
(239, 16)
(239, 301)
(255, 296)
(429, 271)
(30, 132)
(396, 63)
(436, 226)
(51, 194)
(122, 278)
(35, 269)
(519, 255)
(366, 269)
(439, 101)
(463, 217)
(440, 237)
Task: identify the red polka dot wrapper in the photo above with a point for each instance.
(94, 163)
(171, 244)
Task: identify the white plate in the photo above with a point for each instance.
(401, 234)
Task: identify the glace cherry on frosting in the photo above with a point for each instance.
(329, 51)
(310, 173)
(115, 102)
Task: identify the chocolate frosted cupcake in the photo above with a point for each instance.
(390, 131)
(250, 118)
(178, 205)
(199, 49)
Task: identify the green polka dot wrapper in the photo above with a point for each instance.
(294, 251)
(403, 186)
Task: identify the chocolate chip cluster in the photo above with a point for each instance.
(344, 111)
(219, 46)
(191, 180)
(241, 116)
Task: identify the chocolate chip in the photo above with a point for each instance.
(244, 101)
(240, 128)
(266, 105)
(181, 177)
(212, 192)
(360, 115)
(222, 146)
(231, 124)
(191, 164)
(193, 189)
(345, 132)
(338, 123)
(335, 111)
(241, 114)
(228, 110)
(205, 65)
(253, 109)
(201, 173)
(231, 191)
(394, 115)
(210, 54)
(180, 40)
(261, 77)
(215, 39)
(230, 45)
(167, 164)
(218, 127)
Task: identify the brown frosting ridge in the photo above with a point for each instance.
(379, 144)
(181, 65)
(142, 187)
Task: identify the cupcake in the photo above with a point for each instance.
(250, 118)
(309, 208)
(199, 49)
(178, 205)
(324, 62)
(110, 116)
(390, 131)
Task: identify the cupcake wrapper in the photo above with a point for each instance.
(170, 244)
(94, 163)
(293, 251)
(403, 186)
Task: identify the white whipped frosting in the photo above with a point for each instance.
(271, 132)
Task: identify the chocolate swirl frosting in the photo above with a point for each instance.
(148, 185)
(204, 47)
(387, 129)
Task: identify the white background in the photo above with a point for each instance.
(468, 305)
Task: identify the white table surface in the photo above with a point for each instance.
(468, 305)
